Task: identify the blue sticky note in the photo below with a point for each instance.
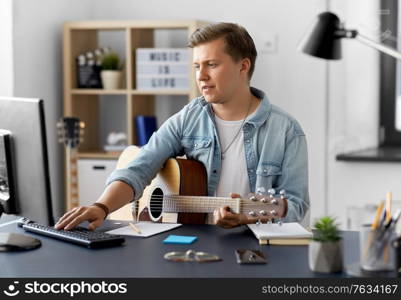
(179, 239)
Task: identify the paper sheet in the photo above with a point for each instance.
(146, 228)
(276, 231)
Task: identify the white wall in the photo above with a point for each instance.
(6, 48)
(37, 37)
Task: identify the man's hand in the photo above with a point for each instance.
(225, 218)
(95, 215)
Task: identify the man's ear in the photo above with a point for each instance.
(245, 65)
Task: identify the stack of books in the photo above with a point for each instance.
(284, 234)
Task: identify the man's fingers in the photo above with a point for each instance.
(78, 220)
(93, 225)
(216, 216)
(63, 217)
(225, 213)
(64, 224)
(235, 195)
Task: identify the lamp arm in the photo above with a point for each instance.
(382, 48)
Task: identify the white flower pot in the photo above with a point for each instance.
(110, 79)
(325, 257)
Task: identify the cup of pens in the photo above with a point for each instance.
(377, 253)
(376, 239)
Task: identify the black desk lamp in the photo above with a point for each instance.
(324, 40)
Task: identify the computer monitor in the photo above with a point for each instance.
(25, 187)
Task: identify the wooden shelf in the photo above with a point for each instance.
(98, 92)
(128, 92)
(99, 155)
(160, 92)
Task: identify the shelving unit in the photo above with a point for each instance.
(80, 37)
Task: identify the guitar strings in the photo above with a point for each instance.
(158, 200)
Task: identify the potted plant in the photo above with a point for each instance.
(325, 249)
(111, 71)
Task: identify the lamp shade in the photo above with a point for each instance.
(322, 41)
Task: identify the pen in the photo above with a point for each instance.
(135, 228)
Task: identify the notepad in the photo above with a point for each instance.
(288, 233)
(147, 229)
(179, 239)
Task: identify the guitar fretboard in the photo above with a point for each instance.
(197, 204)
(72, 181)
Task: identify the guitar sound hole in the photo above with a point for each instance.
(156, 202)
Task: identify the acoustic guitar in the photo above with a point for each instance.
(178, 195)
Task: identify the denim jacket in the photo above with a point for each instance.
(274, 143)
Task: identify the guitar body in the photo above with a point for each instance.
(177, 177)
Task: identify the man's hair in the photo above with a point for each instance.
(239, 44)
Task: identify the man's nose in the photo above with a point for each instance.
(202, 74)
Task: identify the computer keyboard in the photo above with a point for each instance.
(79, 235)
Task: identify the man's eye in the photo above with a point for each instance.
(196, 67)
(212, 65)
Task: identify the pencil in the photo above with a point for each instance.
(389, 199)
(376, 220)
(135, 228)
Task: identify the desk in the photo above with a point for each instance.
(143, 257)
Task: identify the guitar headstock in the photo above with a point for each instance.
(265, 207)
(70, 131)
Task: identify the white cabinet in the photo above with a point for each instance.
(92, 175)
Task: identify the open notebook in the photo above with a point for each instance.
(285, 234)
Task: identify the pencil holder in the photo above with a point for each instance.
(376, 250)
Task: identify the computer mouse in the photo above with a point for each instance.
(17, 242)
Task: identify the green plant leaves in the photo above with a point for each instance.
(326, 230)
(110, 61)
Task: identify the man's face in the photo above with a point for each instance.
(217, 74)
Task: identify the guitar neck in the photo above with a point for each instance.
(72, 181)
(199, 204)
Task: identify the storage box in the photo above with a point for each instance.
(92, 176)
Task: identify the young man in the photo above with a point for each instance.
(245, 143)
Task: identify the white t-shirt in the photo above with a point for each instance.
(234, 174)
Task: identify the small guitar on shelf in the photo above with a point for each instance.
(70, 132)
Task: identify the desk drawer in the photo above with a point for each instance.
(92, 175)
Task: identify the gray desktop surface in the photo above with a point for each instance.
(143, 257)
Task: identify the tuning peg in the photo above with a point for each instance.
(282, 194)
(260, 190)
(273, 212)
(59, 125)
(280, 223)
(258, 223)
(263, 200)
(252, 213)
(263, 212)
(271, 192)
(253, 198)
(274, 201)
